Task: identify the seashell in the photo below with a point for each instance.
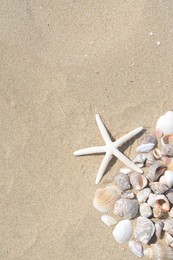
(168, 239)
(122, 231)
(151, 200)
(165, 123)
(167, 178)
(171, 213)
(125, 170)
(149, 138)
(145, 148)
(123, 181)
(159, 252)
(136, 248)
(150, 159)
(157, 153)
(170, 165)
(159, 213)
(128, 194)
(127, 208)
(158, 229)
(105, 198)
(108, 220)
(144, 230)
(167, 139)
(143, 195)
(138, 181)
(140, 160)
(145, 210)
(158, 132)
(168, 226)
(155, 171)
(167, 150)
(166, 160)
(162, 202)
(158, 188)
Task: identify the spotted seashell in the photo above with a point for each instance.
(138, 181)
(136, 248)
(162, 202)
(143, 195)
(127, 208)
(167, 178)
(145, 210)
(140, 160)
(144, 230)
(158, 188)
(155, 171)
(145, 148)
(105, 198)
(167, 150)
(122, 231)
(123, 181)
(158, 229)
(168, 226)
(158, 252)
(108, 220)
(128, 194)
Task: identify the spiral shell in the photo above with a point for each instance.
(138, 181)
(144, 230)
(162, 202)
(127, 208)
(155, 171)
(123, 181)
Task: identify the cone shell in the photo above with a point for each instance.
(158, 188)
(105, 199)
(127, 208)
(155, 171)
(123, 231)
(162, 202)
(144, 230)
(138, 181)
(123, 181)
(167, 178)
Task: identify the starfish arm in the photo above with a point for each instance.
(103, 130)
(103, 167)
(90, 150)
(128, 136)
(126, 161)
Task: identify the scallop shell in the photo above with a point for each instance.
(145, 210)
(167, 139)
(123, 181)
(159, 252)
(165, 123)
(168, 239)
(143, 195)
(108, 220)
(138, 181)
(144, 230)
(167, 150)
(105, 198)
(159, 213)
(155, 171)
(127, 208)
(168, 226)
(158, 188)
(151, 200)
(127, 194)
(122, 231)
(136, 248)
(158, 229)
(167, 178)
(148, 138)
(145, 148)
(140, 160)
(162, 202)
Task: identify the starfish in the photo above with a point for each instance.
(110, 149)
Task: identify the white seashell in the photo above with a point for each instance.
(122, 231)
(145, 148)
(165, 123)
(125, 170)
(108, 220)
(144, 230)
(143, 195)
(155, 171)
(136, 248)
(145, 210)
(151, 200)
(159, 252)
(157, 154)
(167, 178)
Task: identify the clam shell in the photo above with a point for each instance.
(155, 171)
(136, 248)
(122, 231)
(123, 181)
(159, 213)
(140, 160)
(108, 220)
(151, 200)
(127, 194)
(168, 226)
(105, 198)
(144, 230)
(158, 188)
(162, 202)
(127, 208)
(149, 138)
(159, 252)
(167, 178)
(145, 210)
(167, 139)
(143, 195)
(167, 150)
(168, 239)
(158, 229)
(138, 181)
(145, 148)
(165, 123)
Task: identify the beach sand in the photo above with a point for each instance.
(61, 63)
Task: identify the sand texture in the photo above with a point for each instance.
(61, 63)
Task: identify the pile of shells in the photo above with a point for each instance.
(144, 201)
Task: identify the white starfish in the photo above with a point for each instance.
(111, 148)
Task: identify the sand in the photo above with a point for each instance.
(61, 63)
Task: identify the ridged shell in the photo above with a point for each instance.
(127, 208)
(144, 230)
(158, 229)
(138, 181)
(167, 178)
(162, 202)
(136, 248)
(108, 220)
(143, 195)
(145, 210)
(145, 148)
(155, 171)
(122, 231)
(123, 181)
(105, 198)
(167, 150)
(158, 188)
(168, 226)
(167, 139)
(165, 123)
(159, 252)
